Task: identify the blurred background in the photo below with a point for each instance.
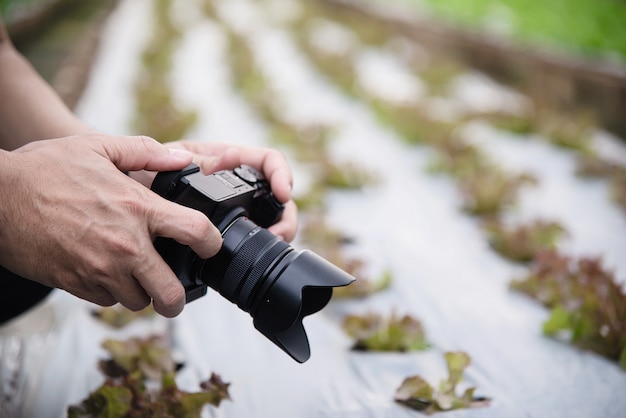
(465, 161)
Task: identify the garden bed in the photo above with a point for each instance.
(550, 76)
(382, 184)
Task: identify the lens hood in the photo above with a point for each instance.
(299, 286)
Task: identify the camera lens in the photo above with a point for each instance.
(276, 284)
(248, 253)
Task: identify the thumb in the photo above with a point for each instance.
(133, 153)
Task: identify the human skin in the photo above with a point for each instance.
(71, 219)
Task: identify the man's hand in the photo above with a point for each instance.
(215, 156)
(71, 219)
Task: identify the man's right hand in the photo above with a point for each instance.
(70, 218)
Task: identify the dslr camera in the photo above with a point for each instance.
(259, 272)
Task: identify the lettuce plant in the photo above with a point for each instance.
(131, 387)
(149, 357)
(488, 192)
(588, 305)
(521, 243)
(591, 165)
(118, 316)
(373, 332)
(363, 286)
(418, 394)
(130, 397)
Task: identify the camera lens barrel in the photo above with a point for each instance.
(252, 252)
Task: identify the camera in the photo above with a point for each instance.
(259, 272)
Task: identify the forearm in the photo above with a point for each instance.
(29, 108)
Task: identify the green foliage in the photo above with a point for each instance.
(373, 332)
(418, 394)
(118, 316)
(410, 122)
(4, 6)
(129, 397)
(362, 286)
(571, 132)
(489, 191)
(459, 158)
(125, 394)
(108, 401)
(588, 305)
(157, 114)
(587, 26)
(516, 124)
(150, 357)
(592, 165)
(522, 242)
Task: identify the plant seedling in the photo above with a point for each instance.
(373, 332)
(119, 316)
(489, 191)
(129, 397)
(588, 305)
(148, 357)
(418, 394)
(522, 242)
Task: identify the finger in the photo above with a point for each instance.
(214, 156)
(185, 225)
(130, 294)
(160, 283)
(287, 227)
(132, 153)
(271, 163)
(207, 164)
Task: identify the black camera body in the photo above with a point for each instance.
(254, 269)
(223, 197)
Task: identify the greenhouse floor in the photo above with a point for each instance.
(409, 222)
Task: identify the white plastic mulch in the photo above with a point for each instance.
(410, 222)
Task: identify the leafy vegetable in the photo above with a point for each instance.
(489, 191)
(521, 243)
(568, 132)
(362, 286)
(119, 316)
(129, 397)
(372, 332)
(418, 394)
(588, 305)
(127, 394)
(151, 357)
(459, 158)
(591, 165)
(517, 124)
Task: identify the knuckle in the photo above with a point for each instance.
(124, 245)
(197, 228)
(145, 140)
